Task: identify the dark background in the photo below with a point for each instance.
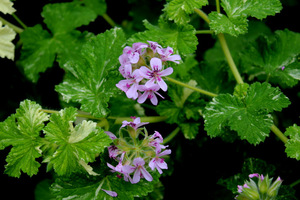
(195, 170)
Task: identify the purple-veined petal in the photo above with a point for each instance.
(111, 135)
(162, 84)
(110, 193)
(138, 161)
(143, 97)
(137, 176)
(156, 64)
(174, 58)
(150, 83)
(146, 174)
(132, 92)
(161, 163)
(153, 98)
(128, 70)
(165, 152)
(145, 72)
(166, 72)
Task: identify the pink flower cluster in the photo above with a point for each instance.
(143, 67)
(136, 158)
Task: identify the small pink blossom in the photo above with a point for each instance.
(156, 140)
(135, 124)
(149, 93)
(133, 53)
(140, 170)
(156, 74)
(111, 135)
(165, 55)
(158, 162)
(154, 46)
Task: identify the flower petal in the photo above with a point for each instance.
(146, 174)
(156, 64)
(143, 97)
(145, 72)
(110, 193)
(162, 84)
(166, 72)
(136, 176)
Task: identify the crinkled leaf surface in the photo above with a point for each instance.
(79, 143)
(7, 48)
(6, 7)
(92, 77)
(235, 20)
(182, 38)
(266, 57)
(41, 47)
(22, 130)
(293, 144)
(178, 10)
(249, 116)
(85, 189)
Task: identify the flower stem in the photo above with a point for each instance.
(202, 14)
(295, 183)
(279, 134)
(109, 20)
(204, 32)
(19, 21)
(191, 87)
(218, 6)
(171, 136)
(15, 28)
(229, 58)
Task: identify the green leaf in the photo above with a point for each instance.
(92, 76)
(84, 188)
(258, 9)
(65, 17)
(248, 116)
(190, 130)
(178, 10)
(40, 47)
(182, 38)
(75, 144)
(22, 131)
(293, 144)
(235, 20)
(265, 58)
(98, 6)
(7, 48)
(234, 26)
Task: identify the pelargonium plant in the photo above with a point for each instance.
(153, 100)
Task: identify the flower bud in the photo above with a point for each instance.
(273, 190)
(251, 193)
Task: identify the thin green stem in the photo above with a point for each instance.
(204, 32)
(171, 135)
(19, 21)
(295, 183)
(150, 119)
(109, 20)
(191, 87)
(229, 58)
(15, 28)
(279, 134)
(218, 6)
(202, 14)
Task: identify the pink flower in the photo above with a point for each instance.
(135, 124)
(156, 140)
(149, 93)
(165, 55)
(158, 162)
(133, 53)
(113, 151)
(130, 86)
(154, 46)
(111, 135)
(156, 74)
(140, 170)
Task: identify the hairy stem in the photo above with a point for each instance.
(191, 87)
(279, 134)
(218, 6)
(15, 28)
(204, 32)
(19, 21)
(202, 14)
(109, 20)
(229, 58)
(171, 135)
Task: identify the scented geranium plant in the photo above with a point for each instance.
(150, 99)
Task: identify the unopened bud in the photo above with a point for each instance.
(273, 190)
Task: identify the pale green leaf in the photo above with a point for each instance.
(22, 131)
(75, 144)
(6, 7)
(7, 48)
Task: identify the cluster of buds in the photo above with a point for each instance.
(143, 66)
(138, 153)
(263, 190)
